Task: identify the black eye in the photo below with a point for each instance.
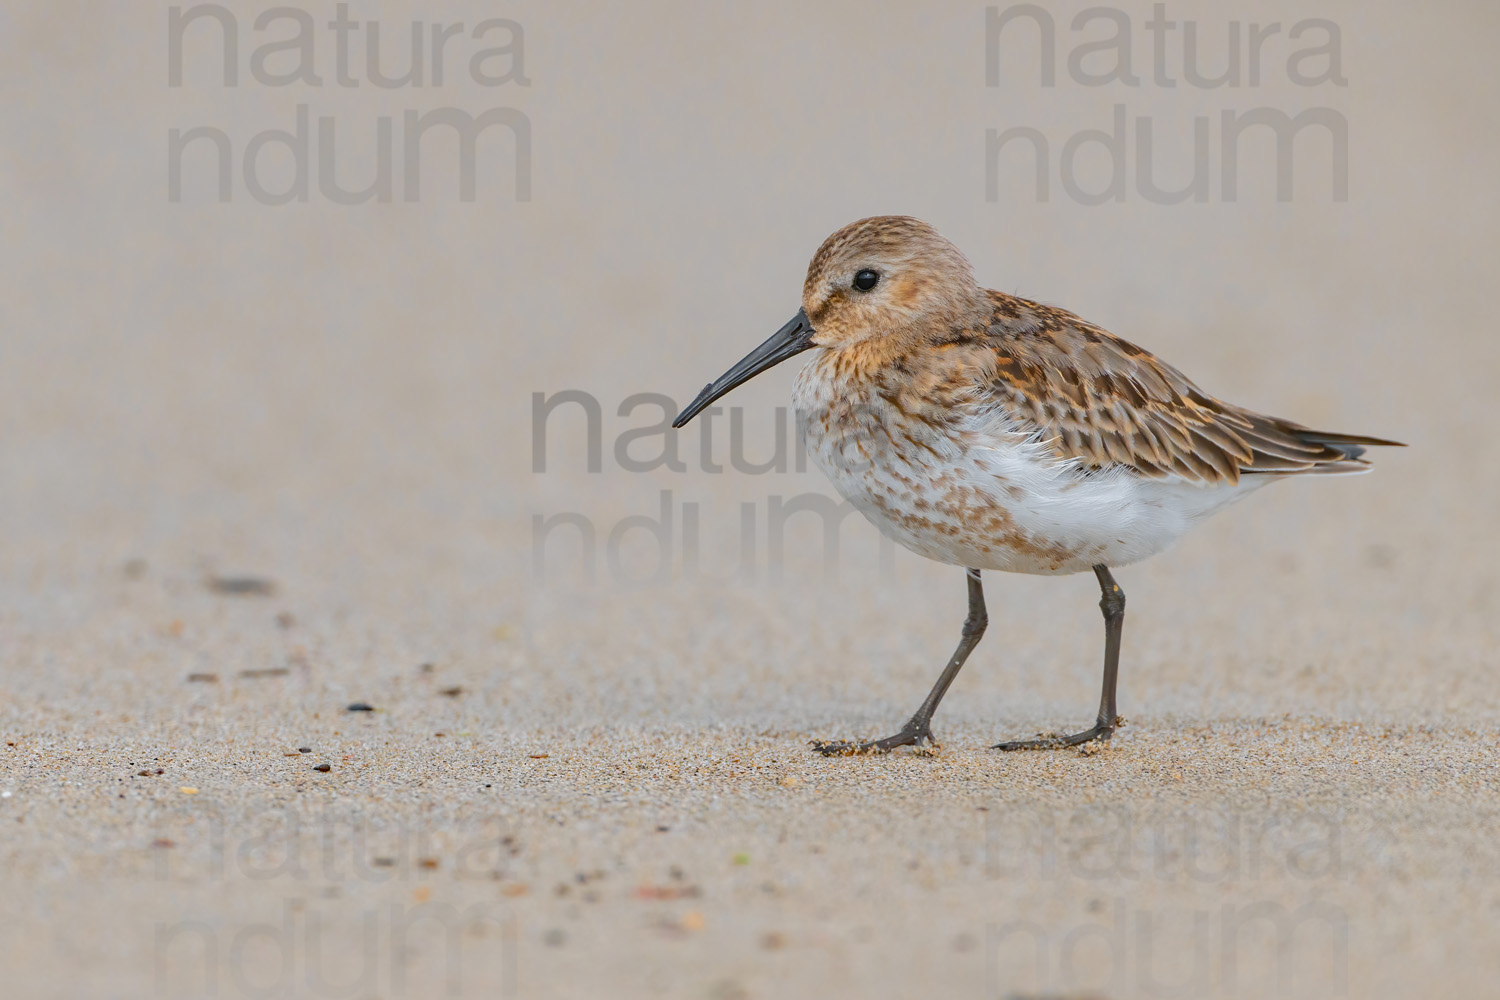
(866, 280)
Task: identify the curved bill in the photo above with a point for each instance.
(794, 338)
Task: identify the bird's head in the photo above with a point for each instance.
(889, 277)
(883, 277)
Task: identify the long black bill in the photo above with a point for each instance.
(794, 338)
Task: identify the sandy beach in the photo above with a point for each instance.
(363, 633)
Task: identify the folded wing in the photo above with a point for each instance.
(1106, 402)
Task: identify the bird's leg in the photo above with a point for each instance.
(918, 729)
(1112, 603)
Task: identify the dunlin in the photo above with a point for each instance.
(992, 432)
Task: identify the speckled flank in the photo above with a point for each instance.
(987, 430)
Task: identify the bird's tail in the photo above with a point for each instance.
(1341, 453)
(1350, 445)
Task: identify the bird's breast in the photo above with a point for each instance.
(908, 462)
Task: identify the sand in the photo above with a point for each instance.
(262, 463)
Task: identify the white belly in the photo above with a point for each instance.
(987, 496)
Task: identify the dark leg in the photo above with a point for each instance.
(918, 729)
(1112, 603)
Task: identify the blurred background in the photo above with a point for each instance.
(342, 397)
(417, 419)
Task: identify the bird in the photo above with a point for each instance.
(992, 432)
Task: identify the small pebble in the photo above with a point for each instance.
(304, 749)
(242, 586)
(325, 768)
(360, 706)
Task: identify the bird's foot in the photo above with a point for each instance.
(1099, 731)
(911, 735)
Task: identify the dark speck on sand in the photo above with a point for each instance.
(241, 586)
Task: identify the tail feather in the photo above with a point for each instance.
(1323, 452)
(1350, 445)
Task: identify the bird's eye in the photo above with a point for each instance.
(866, 280)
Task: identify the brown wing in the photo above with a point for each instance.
(1106, 402)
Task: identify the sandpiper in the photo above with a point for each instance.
(992, 432)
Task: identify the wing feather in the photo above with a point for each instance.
(1105, 402)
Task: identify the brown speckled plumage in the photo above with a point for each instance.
(1094, 397)
(1105, 401)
